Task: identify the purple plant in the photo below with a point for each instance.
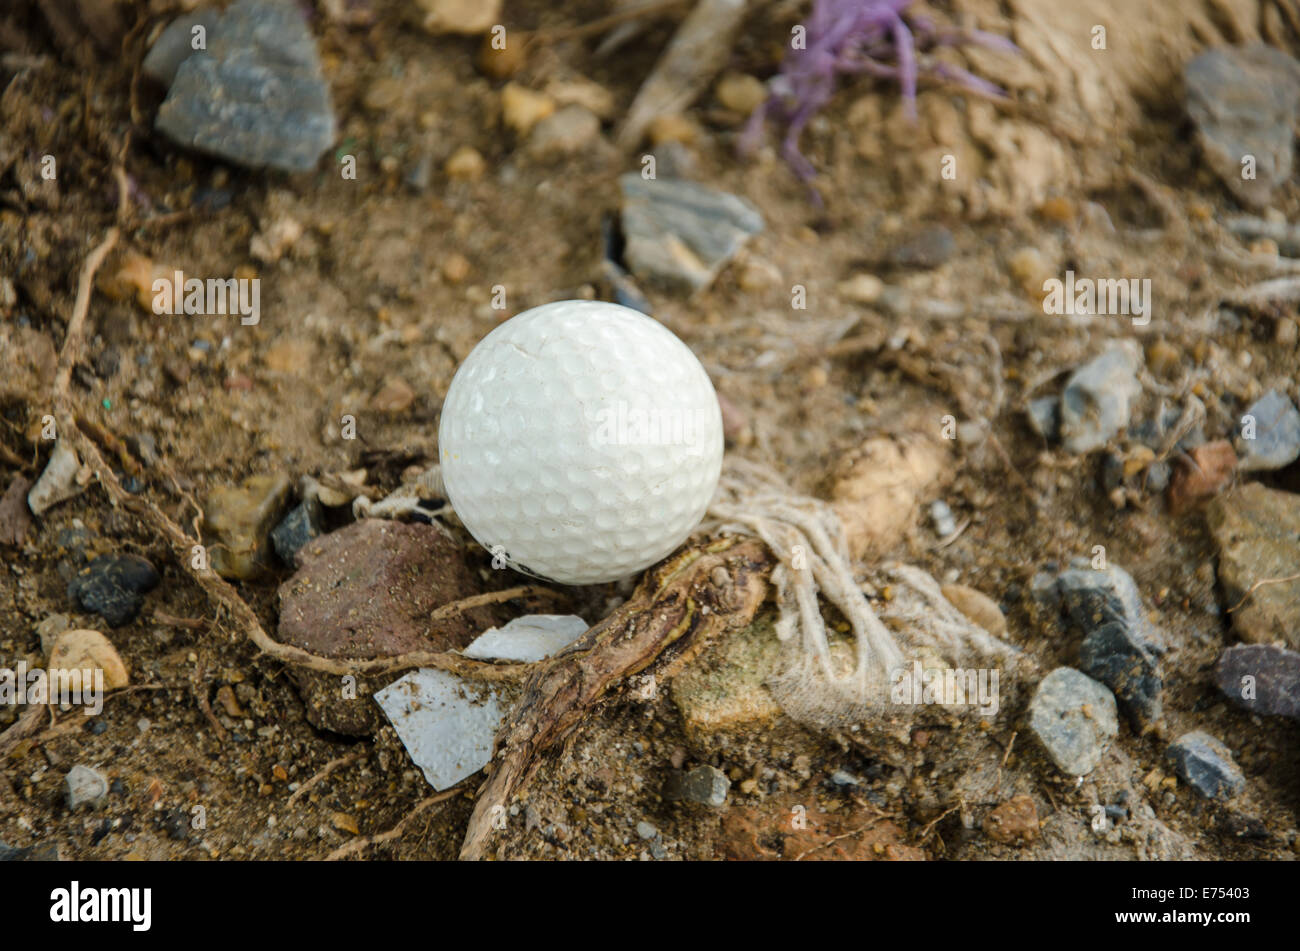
(858, 36)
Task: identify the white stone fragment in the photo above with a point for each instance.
(528, 638)
(446, 724)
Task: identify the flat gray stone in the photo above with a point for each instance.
(256, 96)
(1098, 399)
(1244, 102)
(1206, 765)
(446, 724)
(1275, 441)
(528, 638)
(680, 234)
(1074, 718)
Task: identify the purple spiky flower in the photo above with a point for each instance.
(858, 36)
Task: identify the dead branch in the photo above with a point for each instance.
(365, 842)
(325, 771)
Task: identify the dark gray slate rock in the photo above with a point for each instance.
(301, 525)
(1098, 399)
(1275, 442)
(680, 234)
(1261, 678)
(256, 96)
(1074, 718)
(113, 586)
(704, 784)
(1097, 596)
(1244, 102)
(1206, 765)
(1112, 655)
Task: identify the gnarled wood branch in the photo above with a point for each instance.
(712, 585)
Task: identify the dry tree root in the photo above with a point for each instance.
(324, 772)
(710, 586)
(365, 842)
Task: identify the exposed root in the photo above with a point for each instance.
(365, 842)
(324, 772)
(709, 586)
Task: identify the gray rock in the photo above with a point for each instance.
(175, 44)
(844, 778)
(1261, 678)
(1111, 654)
(680, 234)
(528, 638)
(446, 724)
(704, 784)
(1094, 597)
(645, 830)
(1244, 102)
(1275, 442)
(1098, 399)
(84, 786)
(303, 523)
(40, 852)
(1045, 417)
(1074, 718)
(1206, 765)
(256, 96)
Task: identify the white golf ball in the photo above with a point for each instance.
(580, 441)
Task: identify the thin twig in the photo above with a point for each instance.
(365, 842)
(325, 771)
(1259, 584)
(833, 839)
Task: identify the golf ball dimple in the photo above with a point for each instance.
(581, 441)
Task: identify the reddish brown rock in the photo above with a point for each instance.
(368, 590)
(1201, 475)
(1015, 822)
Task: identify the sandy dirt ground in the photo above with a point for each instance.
(386, 285)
